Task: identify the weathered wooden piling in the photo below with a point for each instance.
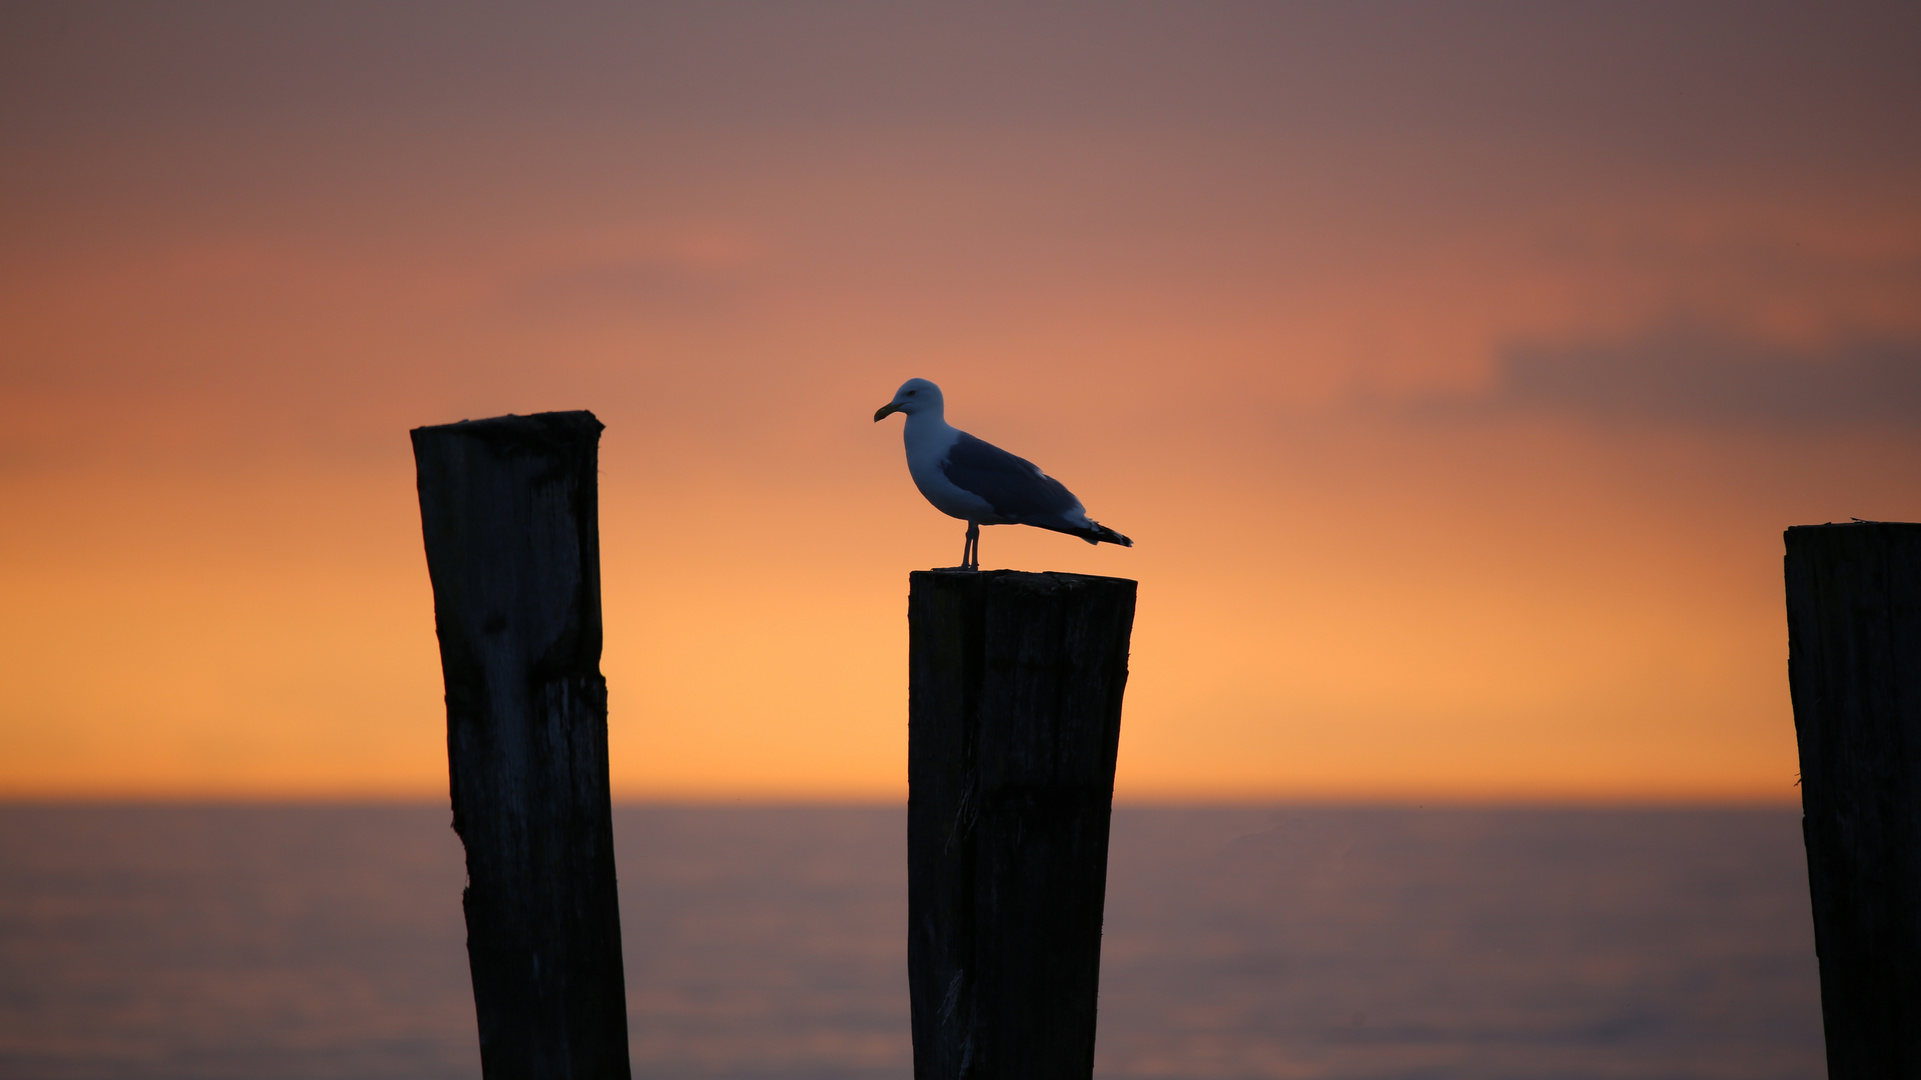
(509, 512)
(1014, 718)
(1854, 669)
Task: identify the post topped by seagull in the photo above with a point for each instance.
(979, 482)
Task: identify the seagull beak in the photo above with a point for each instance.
(886, 410)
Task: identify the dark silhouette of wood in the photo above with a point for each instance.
(509, 511)
(1014, 717)
(1854, 668)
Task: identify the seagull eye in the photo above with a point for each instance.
(911, 393)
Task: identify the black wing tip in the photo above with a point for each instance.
(1093, 532)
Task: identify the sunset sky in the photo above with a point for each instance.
(1455, 368)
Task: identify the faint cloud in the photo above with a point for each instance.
(697, 271)
(1684, 372)
(635, 284)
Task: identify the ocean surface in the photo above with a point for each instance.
(275, 941)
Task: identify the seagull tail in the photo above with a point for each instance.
(1097, 533)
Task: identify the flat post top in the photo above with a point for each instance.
(1042, 582)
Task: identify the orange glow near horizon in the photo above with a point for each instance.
(1456, 400)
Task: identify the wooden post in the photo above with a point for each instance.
(509, 511)
(1014, 715)
(1854, 669)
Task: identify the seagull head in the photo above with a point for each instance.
(914, 395)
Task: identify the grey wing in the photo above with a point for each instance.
(1014, 486)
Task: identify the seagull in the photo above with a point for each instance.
(979, 482)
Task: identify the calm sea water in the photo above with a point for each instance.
(269, 942)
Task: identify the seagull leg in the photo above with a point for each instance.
(971, 554)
